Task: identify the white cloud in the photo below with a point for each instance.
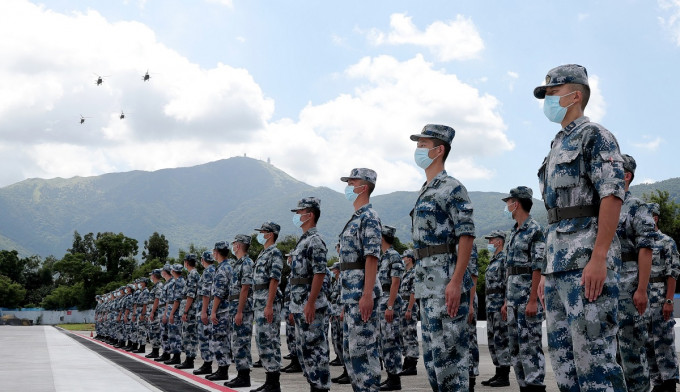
(649, 143)
(671, 22)
(453, 40)
(583, 16)
(513, 76)
(228, 3)
(648, 181)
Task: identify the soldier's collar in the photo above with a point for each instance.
(362, 209)
(575, 124)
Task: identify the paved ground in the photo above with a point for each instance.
(43, 358)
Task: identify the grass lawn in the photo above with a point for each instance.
(77, 327)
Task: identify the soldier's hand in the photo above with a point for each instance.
(531, 309)
(204, 318)
(238, 319)
(541, 290)
(640, 300)
(389, 315)
(291, 320)
(342, 314)
(594, 275)
(309, 311)
(164, 320)
(504, 312)
(213, 319)
(667, 311)
(471, 315)
(151, 317)
(366, 306)
(452, 295)
(408, 315)
(269, 313)
(172, 319)
(184, 318)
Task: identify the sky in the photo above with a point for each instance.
(321, 87)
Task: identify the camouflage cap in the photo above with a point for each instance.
(435, 131)
(521, 192)
(629, 163)
(207, 256)
(307, 202)
(144, 280)
(568, 73)
(654, 208)
(221, 245)
(388, 231)
(496, 234)
(361, 173)
(335, 266)
(244, 238)
(270, 227)
(177, 268)
(190, 256)
(408, 253)
(167, 268)
(156, 272)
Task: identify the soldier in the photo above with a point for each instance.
(267, 305)
(390, 309)
(174, 317)
(581, 180)
(188, 311)
(663, 361)
(336, 324)
(294, 365)
(241, 307)
(409, 323)
(473, 369)
(133, 317)
(525, 256)
(308, 303)
(142, 315)
(164, 306)
(636, 235)
(203, 313)
(155, 296)
(128, 312)
(443, 233)
(496, 327)
(220, 316)
(360, 243)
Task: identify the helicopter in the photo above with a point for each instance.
(122, 115)
(100, 79)
(146, 76)
(82, 119)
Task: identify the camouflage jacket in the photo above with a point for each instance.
(495, 278)
(307, 259)
(220, 286)
(334, 298)
(268, 266)
(142, 300)
(525, 247)
(242, 275)
(190, 290)
(391, 266)
(584, 165)
(635, 231)
(442, 214)
(168, 299)
(361, 237)
(665, 258)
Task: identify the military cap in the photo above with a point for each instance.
(388, 231)
(144, 280)
(408, 253)
(190, 256)
(495, 234)
(307, 202)
(629, 163)
(167, 268)
(177, 268)
(521, 192)
(207, 256)
(156, 272)
(270, 227)
(220, 245)
(361, 173)
(435, 131)
(242, 238)
(335, 266)
(569, 73)
(654, 207)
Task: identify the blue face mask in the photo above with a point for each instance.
(349, 193)
(491, 248)
(422, 158)
(260, 238)
(297, 221)
(552, 108)
(508, 213)
(233, 251)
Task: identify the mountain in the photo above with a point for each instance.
(201, 205)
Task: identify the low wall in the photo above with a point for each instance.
(52, 317)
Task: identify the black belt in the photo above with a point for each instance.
(352, 266)
(495, 291)
(261, 286)
(300, 281)
(658, 279)
(630, 256)
(520, 271)
(434, 250)
(386, 287)
(557, 214)
(233, 296)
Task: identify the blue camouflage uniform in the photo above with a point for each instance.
(473, 269)
(442, 214)
(290, 328)
(190, 327)
(495, 279)
(142, 325)
(409, 328)
(391, 266)
(205, 330)
(268, 266)
(220, 343)
(335, 308)
(155, 293)
(241, 335)
(583, 166)
(308, 259)
(175, 328)
(168, 288)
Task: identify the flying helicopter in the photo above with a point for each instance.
(146, 76)
(122, 115)
(82, 119)
(100, 79)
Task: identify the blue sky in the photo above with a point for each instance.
(322, 87)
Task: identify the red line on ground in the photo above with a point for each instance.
(179, 372)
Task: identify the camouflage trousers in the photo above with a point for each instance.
(632, 337)
(473, 346)
(312, 348)
(142, 331)
(409, 333)
(220, 342)
(268, 339)
(175, 336)
(205, 332)
(497, 338)
(581, 334)
(190, 335)
(241, 336)
(360, 348)
(525, 343)
(154, 332)
(390, 351)
(336, 336)
(661, 355)
(290, 337)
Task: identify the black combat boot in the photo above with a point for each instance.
(288, 356)
(535, 388)
(175, 360)
(293, 366)
(241, 380)
(503, 377)
(471, 384)
(343, 378)
(393, 383)
(132, 347)
(120, 344)
(141, 349)
(164, 357)
(154, 353)
(187, 364)
(258, 364)
(271, 383)
(495, 376)
(668, 385)
(206, 368)
(410, 367)
(336, 361)
(222, 373)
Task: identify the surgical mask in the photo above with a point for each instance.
(421, 157)
(233, 249)
(349, 193)
(139, 286)
(491, 248)
(260, 238)
(297, 221)
(507, 212)
(552, 108)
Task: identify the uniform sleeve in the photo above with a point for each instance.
(247, 272)
(317, 255)
(397, 270)
(673, 262)
(643, 224)
(538, 250)
(604, 163)
(460, 211)
(277, 265)
(220, 288)
(192, 284)
(371, 237)
(473, 266)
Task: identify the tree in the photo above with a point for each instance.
(64, 297)
(11, 266)
(11, 293)
(156, 248)
(669, 213)
(116, 254)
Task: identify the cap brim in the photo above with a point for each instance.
(506, 198)
(297, 209)
(345, 179)
(539, 92)
(418, 136)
